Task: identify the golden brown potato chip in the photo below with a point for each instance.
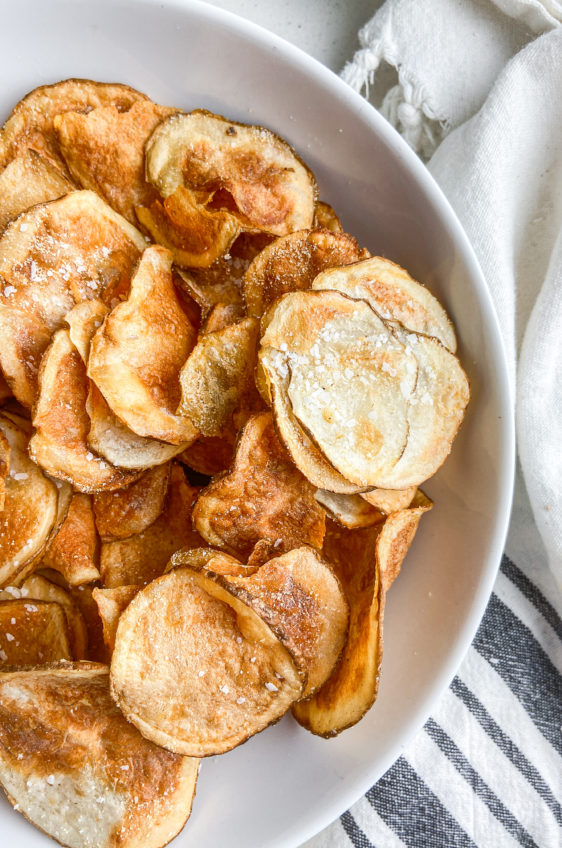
(111, 603)
(394, 295)
(210, 455)
(396, 536)
(78, 770)
(325, 216)
(226, 292)
(195, 236)
(39, 588)
(83, 598)
(222, 315)
(291, 263)
(390, 500)
(221, 672)
(126, 512)
(4, 467)
(52, 257)
(74, 550)
(29, 179)
(350, 511)
(31, 123)
(209, 559)
(218, 375)
(263, 497)
(104, 151)
(5, 391)
(59, 443)
(143, 557)
(137, 354)
(83, 321)
(249, 170)
(32, 633)
(30, 507)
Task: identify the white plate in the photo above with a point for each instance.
(285, 785)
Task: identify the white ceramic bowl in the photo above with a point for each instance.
(285, 785)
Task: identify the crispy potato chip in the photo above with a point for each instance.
(222, 315)
(394, 295)
(325, 216)
(4, 467)
(59, 444)
(83, 598)
(32, 633)
(30, 507)
(396, 536)
(210, 454)
(250, 171)
(111, 603)
(52, 257)
(223, 675)
(64, 746)
(83, 321)
(390, 500)
(29, 179)
(209, 559)
(39, 588)
(104, 151)
(226, 292)
(5, 391)
(74, 550)
(31, 123)
(217, 376)
(126, 512)
(301, 600)
(350, 511)
(292, 263)
(263, 497)
(195, 236)
(143, 557)
(136, 355)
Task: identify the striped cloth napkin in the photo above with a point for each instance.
(477, 92)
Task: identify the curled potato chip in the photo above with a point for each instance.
(65, 746)
(39, 588)
(111, 603)
(222, 315)
(29, 179)
(217, 375)
(104, 151)
(83, 321)
(52, 257)
(220, 670)
(394, 295)
(140, 558)
(396, 536)
(325, 216)
(210, 454)
(32, 633)
(126, 512)
(226, 292)
(209, 559)
(292, 263)
(59, 443)
(136, 355)
(263, 497)
(30, 507)
(390, 500)
(249, 170)
(349, 510)
(73, 552)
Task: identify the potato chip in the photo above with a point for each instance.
(210, 455)
(221, 672)
(126, 512)
(38, 588)
(394, 295)
(83, 321)
(5, 391)
(79, 771)
(32, 633)
(74, 550)
(4, 467)
(263, 497)
(226, 291)
(292, 263)
(59, 443)
(222, 315)
(53, 256)
(30, 507)
(251, 172)
(390, 500)
(218, 375)
(137, 354)
(111, 603)
(350, 511)
(104, 151)
(325, 216)
(143, 557)
(396, 536)
(83, 598)
(29, 179)
(209, 559)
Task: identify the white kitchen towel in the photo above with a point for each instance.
(477, 91)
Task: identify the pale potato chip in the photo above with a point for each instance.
(39, 588)
(396, 536)
(53, 256)
(30, 507)
(29, 179)
(129, 511)
(79, 771)
(394, 295)
(111, 603)
(218, 375)
(141, 558)
(250, 171)
(325, 216)
(350, 511)
(137, 354)
(390, 500)
(292, 263)
(32, 633)
(263, 497)
(74, 551)
(223, 675)
(104, 151)
(59, 443)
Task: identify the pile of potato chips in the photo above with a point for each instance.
(216, 411)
